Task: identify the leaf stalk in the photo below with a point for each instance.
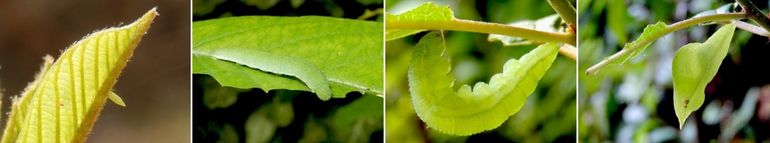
(669, 29)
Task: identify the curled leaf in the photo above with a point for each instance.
(694, 66)
(471, 110)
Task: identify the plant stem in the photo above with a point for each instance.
(669, 29)
(752, 28)
(755, 14)
(485, 27)
(369, 13)
(565, 11)
(568, 51)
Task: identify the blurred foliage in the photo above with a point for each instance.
(633, 102)
(224, 114)
(547, 116)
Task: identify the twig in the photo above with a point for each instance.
(755, 14)
(486, 27)
(751, 28)
(670, 28)
(568, 51)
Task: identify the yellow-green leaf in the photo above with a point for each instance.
(425, 13)
(694, 66)
(469, 110)
(68, 94)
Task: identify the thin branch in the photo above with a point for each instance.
(751, 28)
(669, 29)
(370, 13)
(485, 27)
(565, 11)
(755, 14)
(568, 51)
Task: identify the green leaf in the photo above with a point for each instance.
(228, 134)
(355, 122)
(694, 66)
(296, 3)
(364, 107)
(261, 4)
(259, 129)
(216, 96)
(617, 17)
(647, 35)
(393, 34)
(65, 99)
(322, 53)
(427, 12)
(273, 63)
(468, 111)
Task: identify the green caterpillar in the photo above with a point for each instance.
(484, 107)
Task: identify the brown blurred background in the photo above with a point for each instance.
(155, 83)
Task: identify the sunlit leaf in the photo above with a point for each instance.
(427, 12)
(68, 94)
(291, 53)
(694, 66)
(467, 110)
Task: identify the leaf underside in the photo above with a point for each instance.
(327, 56)
(468, 111)
(694, 66)
(68, 94)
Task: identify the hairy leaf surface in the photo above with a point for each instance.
(471, 110)
(328, 56)
(68, 94)
(694, 66)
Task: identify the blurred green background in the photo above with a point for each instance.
(634, 102)
(547, 116)
(155, 84)
(224, 114)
